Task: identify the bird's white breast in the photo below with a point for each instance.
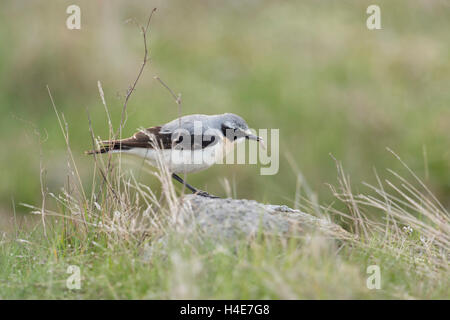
(186, 161)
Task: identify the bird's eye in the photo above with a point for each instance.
(227, 130)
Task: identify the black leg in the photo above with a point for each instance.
(193, 189)
(178, 178)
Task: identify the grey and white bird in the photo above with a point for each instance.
(187, 144)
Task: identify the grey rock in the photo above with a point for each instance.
(234, 219)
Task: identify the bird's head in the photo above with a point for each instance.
(235, 128)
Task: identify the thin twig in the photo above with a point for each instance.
(176, 97)
(133, 87)
(141, 69)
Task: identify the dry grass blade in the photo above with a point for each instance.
(425, 228)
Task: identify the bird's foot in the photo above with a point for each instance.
(206, 194)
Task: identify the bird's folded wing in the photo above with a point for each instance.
(165, 140)
(146, 139)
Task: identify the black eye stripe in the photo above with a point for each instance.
(233, 134)
(225, 130)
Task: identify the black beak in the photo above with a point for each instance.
(253, 137)
(250, 136)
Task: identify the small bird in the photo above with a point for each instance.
(187, 144)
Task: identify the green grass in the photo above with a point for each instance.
(107, 236)
(265, 269)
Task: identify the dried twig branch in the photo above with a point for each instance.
(176, 97)
(144, 62)
(133, 86)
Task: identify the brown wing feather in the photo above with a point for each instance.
(144, 139)
(141, 139)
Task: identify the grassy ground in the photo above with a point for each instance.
(310, 69)
(260, 271)
(105, 235)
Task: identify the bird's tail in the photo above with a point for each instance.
(107, 146)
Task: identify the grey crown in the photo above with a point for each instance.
(217, 122)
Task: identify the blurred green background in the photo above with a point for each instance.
(310, 68)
